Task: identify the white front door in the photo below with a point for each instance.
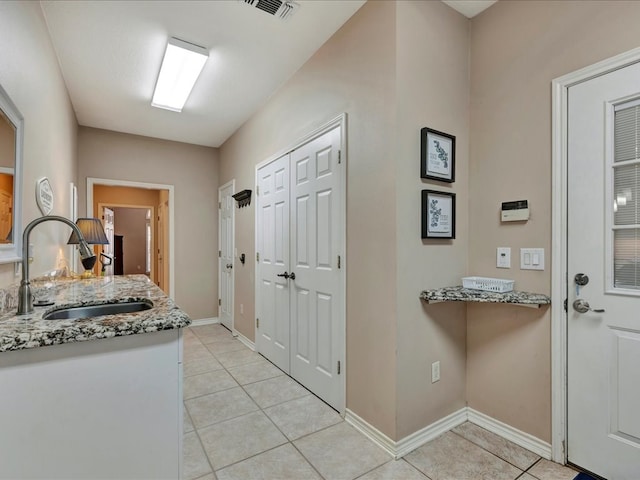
(300, 274)
(272, 291)
(108, 225)
(226, 254)
(603, 364)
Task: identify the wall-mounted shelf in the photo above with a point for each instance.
(459, 294)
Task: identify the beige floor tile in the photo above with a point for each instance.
(340, 452)
(526, 476)
(546, 470)
(210, 476)
(238, 357)
(451, 457)
(219, 406)
(186, 422)
(284, 462)
(394, 470)
(205, 383)
(201, 365)
(302, 416)
(210, 329)
(239, 438)
(506, 450)
(195, 352)
(254, 372)
(194, 461)
(221, 345)
(275, 390)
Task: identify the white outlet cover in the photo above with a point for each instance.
(503, 257)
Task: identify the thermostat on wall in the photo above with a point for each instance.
(516, 211)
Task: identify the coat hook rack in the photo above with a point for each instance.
(243, 198)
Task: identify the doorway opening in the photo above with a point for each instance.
(138, 220)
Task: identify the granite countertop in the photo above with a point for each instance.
(31, 331)
(460, 294)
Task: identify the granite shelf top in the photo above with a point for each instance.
(460, 294)
(31, 331)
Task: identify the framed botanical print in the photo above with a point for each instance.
(438, 155)
(438, 214)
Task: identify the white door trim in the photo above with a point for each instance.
(559, 145)
(339, 121)
(232, 184)
(91, 181)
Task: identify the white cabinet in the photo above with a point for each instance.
(108, 408)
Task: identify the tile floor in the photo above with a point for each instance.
(244, 419)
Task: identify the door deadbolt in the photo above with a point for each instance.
(581, 279)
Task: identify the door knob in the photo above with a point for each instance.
(229, 265)
(286, 275)
(582, 306)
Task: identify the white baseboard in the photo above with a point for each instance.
(204, 321)
(371, 432)
(248, 343)
(409, 443)
(510, 433)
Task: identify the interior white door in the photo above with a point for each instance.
(226, 254)
(108, 225)
(316, 291)
(272, 291)
(603, 364)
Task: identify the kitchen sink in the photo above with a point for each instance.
(87, 311)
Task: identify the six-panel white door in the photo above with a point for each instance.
(226, 254)
(317, 329)
(272, 289)
(300, 233)
(604, 245)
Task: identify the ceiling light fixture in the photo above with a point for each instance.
(181, 66)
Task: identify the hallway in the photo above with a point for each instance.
(244, 419)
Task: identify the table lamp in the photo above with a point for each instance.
(93, 233)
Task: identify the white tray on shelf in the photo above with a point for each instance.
(487, 284)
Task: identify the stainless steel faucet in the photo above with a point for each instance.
(25, 298)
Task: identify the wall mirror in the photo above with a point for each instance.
(11, 137)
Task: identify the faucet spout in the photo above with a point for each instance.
(25, 298)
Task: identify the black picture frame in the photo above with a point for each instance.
(437, 155)
(438, 214)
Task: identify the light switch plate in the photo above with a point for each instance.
(503, 257)
(532, 259)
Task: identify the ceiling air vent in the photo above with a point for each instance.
(278, 8)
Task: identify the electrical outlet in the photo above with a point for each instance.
(503, 259)
(435, 371)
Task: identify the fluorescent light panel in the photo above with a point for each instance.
(181, 66)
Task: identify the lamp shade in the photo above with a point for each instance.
(92, 232)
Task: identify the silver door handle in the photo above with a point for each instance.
(582, 306)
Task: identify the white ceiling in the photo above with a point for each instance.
(110, 54)
(470, 8)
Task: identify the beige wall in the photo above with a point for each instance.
(373, 69)
(30, 74)
(193, 171)
(432, 91)
(353, 72)
(517, 49)
(131, 223)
